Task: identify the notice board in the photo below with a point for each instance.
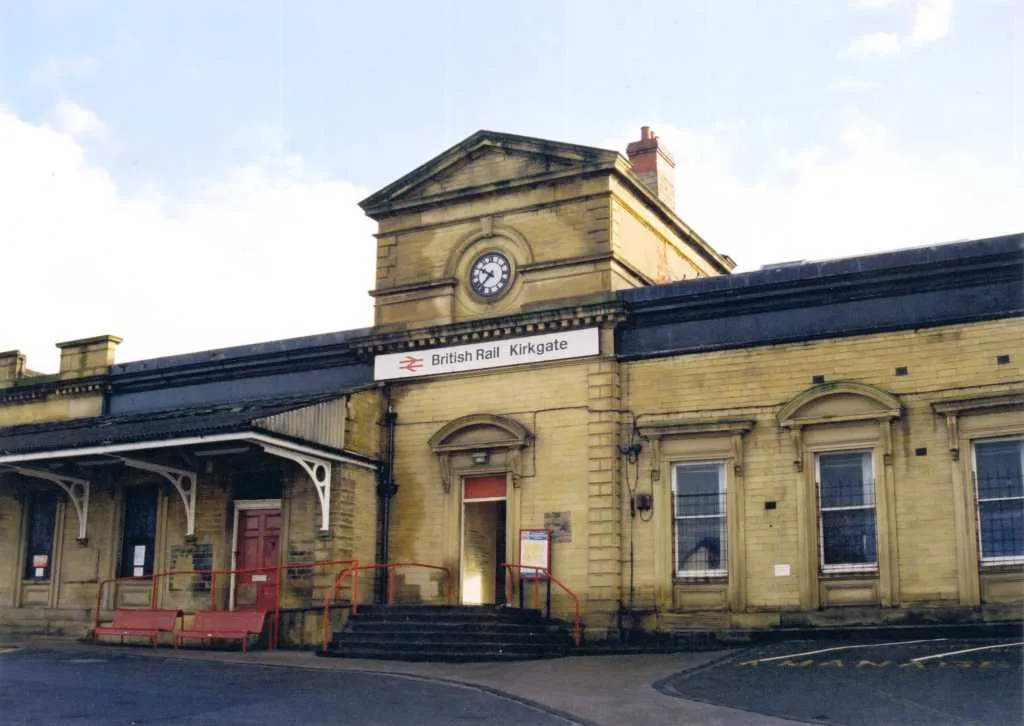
(534, 553)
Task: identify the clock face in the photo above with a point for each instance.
(490, 274)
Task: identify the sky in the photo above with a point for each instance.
(186, 175)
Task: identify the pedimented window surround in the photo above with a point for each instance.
(501, 438)
(844, 416)
(968, 420)
(833, 403)
(672, 440)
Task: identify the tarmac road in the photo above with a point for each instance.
(56, 687)
(907, 682)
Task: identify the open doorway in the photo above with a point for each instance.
(483, 541)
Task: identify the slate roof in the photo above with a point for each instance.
(892, 264)
(221, 356)
(151, 426)
(905, 290)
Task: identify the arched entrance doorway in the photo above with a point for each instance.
(482, 456)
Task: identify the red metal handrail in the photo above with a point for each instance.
(325, 625)
(103, 583)
(298, 565)
(577, 629)
(392, 568)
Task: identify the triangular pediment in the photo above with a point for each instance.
(487, 160)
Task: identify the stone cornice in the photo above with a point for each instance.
(674, 425)
(472, 331)
(982, 402)
(414, 287)
(26, 392)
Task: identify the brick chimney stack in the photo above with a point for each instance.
(654, 165)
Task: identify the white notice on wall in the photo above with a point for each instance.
(139, 556)
(138, 571)
(39, 571)
(782, 570)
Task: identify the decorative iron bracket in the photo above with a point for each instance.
(319, 472)
(77, 491)
(183, 481)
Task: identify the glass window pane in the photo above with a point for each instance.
(701, 544)
(1002, 528)
(699, 490)
(137, 544)
(42, 518)
(999, 468)
(846, 479)
(848, 537)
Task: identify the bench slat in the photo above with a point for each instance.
(140, 621)
(226, 624)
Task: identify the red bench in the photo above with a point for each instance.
(139, 621)
(225, 624)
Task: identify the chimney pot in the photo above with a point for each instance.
(655, 166)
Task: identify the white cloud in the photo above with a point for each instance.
(933, 20)
(860, 193)
(75, 120)
(846, 83)
(874, 44)
(268, 250)
(54, 70)
(873, 4)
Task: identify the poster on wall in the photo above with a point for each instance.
(534, 553)
(560, 525)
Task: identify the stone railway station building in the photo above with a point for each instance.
(553, 349)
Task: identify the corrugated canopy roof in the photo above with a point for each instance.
(151, 426)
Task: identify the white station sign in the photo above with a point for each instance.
(489, 354)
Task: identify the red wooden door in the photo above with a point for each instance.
(259, 531)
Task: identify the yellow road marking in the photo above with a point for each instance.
(967, 650)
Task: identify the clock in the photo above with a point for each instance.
(490, 274)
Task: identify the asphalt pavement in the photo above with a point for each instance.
(56, 687)
(905, 682)
(929, 681)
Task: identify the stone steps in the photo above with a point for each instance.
(450, 633)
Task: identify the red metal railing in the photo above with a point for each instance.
(577, 627)
(104, 583)
(392, 568)
(275, 623)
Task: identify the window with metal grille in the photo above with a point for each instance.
(42, 519)
(138, 540)
(700, 528)
(999, 484)
(846, 511)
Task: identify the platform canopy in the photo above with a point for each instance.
(307, 430)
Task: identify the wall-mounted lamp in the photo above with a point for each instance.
(630, 451)
(481, 457)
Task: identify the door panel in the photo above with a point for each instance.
(259, 532)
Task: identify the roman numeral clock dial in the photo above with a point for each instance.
(490, 275)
